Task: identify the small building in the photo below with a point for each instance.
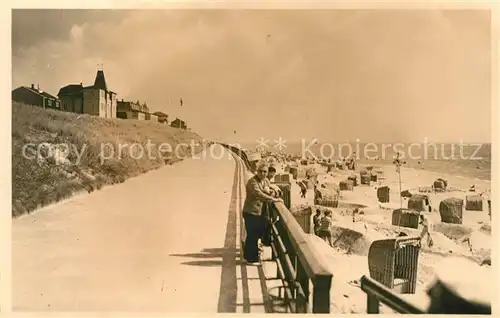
(162, 117)
(178, 123)
(95, 100)
(131, 110)
(35, 96)
(152, 117)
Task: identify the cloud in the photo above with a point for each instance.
(373, 75)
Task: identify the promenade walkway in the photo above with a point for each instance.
(167, 240)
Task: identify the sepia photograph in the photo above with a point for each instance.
(224, 160)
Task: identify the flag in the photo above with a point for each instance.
(182, 103)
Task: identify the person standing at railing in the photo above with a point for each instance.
(325, 228)
(275, 192)
(255, 199)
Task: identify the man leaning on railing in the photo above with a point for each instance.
(256, 196)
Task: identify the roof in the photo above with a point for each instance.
(44, 94)
(100, 81)
(70, 89)
(160, 114)
(135, 106)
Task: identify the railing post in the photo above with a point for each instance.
(303, 281)
(372, 304)
(321, 294)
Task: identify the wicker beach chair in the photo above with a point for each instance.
(418, 202)
(405, 218)
(394, 263)
(301, 172)
(303, 215)
(451, 210)
(440, 185)
(354, 180)
(406, 194)
(473, 203)
(346, 185)
(373, 176)
(383, 194)
(326, 197)
(365, 177)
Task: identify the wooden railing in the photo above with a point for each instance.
(376, 293)
(298, 264)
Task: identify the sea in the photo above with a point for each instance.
(471, 160)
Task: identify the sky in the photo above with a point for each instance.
(333, 75)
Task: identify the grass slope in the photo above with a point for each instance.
(44, 176)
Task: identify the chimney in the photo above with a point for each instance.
(32, 86)
(38, 86)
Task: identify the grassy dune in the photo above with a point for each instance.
(82, 153)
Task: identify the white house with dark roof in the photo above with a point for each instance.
(95, 100)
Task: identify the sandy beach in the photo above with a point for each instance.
(348, 259)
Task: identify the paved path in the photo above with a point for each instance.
(163, 241)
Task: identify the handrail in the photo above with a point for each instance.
(297, 261)
(376, 293)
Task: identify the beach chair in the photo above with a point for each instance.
(394, 263)
(451, 210)
(365, 177)
(473, 203)
(440, 185)
(303, 215)
(406, 218)
(326, 197)
(418, 202)
(406, 194)
(346, 185)
(383, 194)
(354, 180)
(373, 176)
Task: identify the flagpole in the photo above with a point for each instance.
(398, 170)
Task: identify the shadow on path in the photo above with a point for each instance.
(211, 257)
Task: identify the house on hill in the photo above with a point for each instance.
(151, 116)
(96, 100)
(35, 96)
(162, 117)
(131, 110)
(178, 123)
